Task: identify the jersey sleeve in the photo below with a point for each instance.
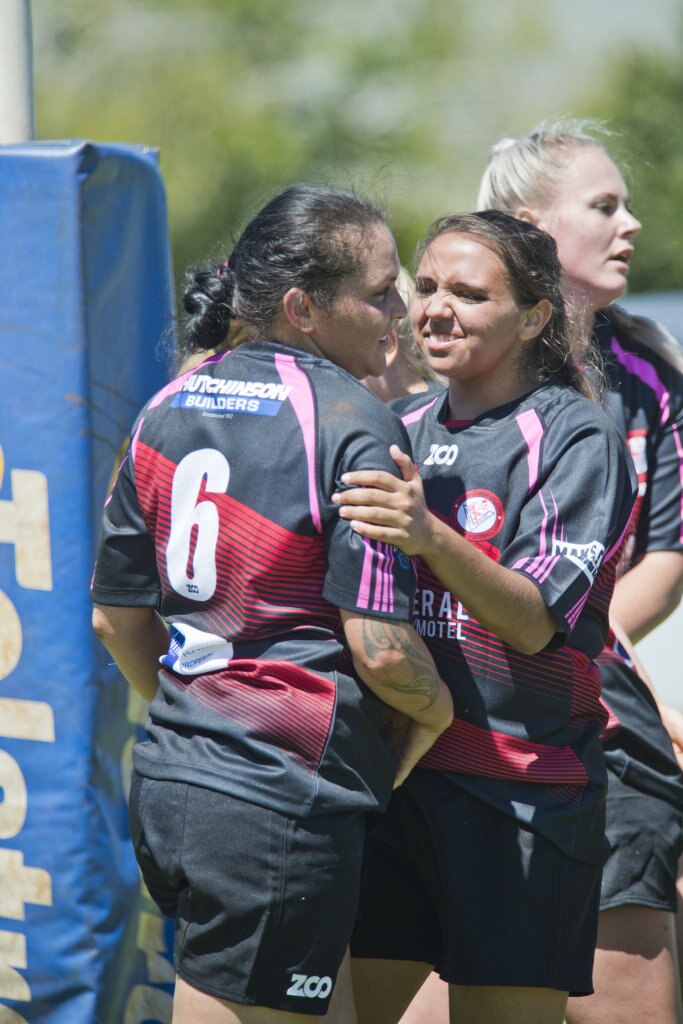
(125, 570)
(371, 578)
(661, 524)
(572, 523)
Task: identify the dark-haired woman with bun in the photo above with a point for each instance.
(272, 641)
(487, 863)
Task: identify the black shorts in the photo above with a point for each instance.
(644, 798)
(264, 904)
(452, 881)
(646, 836)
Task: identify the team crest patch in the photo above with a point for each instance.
(478, 514)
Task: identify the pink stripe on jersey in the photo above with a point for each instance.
(413, 417)
(616, 546)
(363, 598)
(646, 372)
(574, 612)
(679, 452)
(174, 386)
(551, 562)
(532, 431)
(133, 450)
(539, 560)
(134, 442)
(301, 398)
(118, 471)
(384, 587)
(377, 574)
(378, 602)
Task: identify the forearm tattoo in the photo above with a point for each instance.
(419, 678)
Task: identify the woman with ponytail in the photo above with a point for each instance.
(273, 643)
(487, 863)
(561, 178)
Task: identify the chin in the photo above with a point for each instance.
(606, 296)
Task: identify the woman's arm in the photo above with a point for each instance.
(136, 638)
(395, 664)
(648, 593)
(394, 511)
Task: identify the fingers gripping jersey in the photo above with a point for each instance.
(221, 516)
(544, 486)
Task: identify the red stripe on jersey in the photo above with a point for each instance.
(464, 747)
(269, 579)
(274, 702)
(563, 673)
(571, 795)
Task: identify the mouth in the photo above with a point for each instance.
(623, 257)
(440, 342)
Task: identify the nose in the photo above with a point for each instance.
(438, 307)
(630, 225)
(399, 308)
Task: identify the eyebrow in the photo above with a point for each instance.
(614, 196)
(471, 285)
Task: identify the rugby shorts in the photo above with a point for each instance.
(646, 839)
(263, 904)
(453, 882)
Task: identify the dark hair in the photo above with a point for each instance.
(533, 272)
(308, 237)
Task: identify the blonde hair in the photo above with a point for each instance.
(523, 172)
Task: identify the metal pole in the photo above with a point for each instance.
(16, 72)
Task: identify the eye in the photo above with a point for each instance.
(423, 287)
(606, 206)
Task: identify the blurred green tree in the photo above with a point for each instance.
(399, 98)
(247, 96)
(644, 105)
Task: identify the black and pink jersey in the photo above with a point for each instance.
(221, 518)
(544, 486)
(645, 399)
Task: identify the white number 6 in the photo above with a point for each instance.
(186, 514)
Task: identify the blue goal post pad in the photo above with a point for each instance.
(87, 301)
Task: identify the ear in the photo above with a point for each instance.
(300, 310)
(529, 215)
(392, 347)
(534, 320)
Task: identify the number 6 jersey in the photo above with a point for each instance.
(220, 517)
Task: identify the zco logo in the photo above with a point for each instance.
(478, 514)
(310, 987)
(441, 455)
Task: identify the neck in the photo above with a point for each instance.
(281, 330)
(468, 401)
(580, 309)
